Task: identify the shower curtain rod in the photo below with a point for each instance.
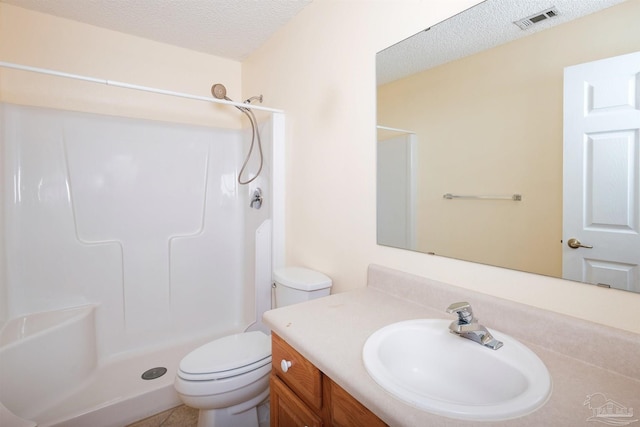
(132, 86)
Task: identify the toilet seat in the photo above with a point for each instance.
(227, 357)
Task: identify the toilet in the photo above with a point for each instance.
(226, 379)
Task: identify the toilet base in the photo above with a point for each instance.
(241, 415)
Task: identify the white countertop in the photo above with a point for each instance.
(330, 332)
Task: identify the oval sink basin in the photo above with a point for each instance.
(425, 365)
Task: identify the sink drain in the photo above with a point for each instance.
(153, 373)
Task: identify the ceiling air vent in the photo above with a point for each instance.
(537, 17)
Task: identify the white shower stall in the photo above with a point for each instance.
(127, 243)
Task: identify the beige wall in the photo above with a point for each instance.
(320, 69)
(491, 123)
(40, 40)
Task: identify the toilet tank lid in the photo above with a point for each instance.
(301, 278)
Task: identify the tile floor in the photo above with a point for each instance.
(181, 416)
(184, 416)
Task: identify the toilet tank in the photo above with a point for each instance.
(297, 284)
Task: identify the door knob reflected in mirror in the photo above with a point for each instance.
(574, 243)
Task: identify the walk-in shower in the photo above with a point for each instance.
(128, 243)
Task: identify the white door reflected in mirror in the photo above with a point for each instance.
(602, 173)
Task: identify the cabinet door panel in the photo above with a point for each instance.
(346, 411)
(302, 376)
(287, 410)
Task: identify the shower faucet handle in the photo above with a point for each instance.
(256, 199)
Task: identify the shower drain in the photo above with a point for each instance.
(153, 373)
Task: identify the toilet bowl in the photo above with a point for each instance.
(228, 378)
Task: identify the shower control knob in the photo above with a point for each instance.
(285, 365)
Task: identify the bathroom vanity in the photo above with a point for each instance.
(591, 365)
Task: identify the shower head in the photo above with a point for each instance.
(219, 91)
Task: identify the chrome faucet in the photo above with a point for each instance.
(468, 327)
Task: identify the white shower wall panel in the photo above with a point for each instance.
(143, 218)
(47, 268)
(258, 237)
(4, 307)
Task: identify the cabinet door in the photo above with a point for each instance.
(346, 411)
(302, 376)
(287, 410)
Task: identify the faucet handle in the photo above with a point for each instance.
(463, 310)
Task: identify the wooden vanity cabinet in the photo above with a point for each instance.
(301, 395)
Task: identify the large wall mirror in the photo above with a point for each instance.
(516, 145)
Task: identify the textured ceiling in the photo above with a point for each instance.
(230, 29)
(486, 25)
(233, 29)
